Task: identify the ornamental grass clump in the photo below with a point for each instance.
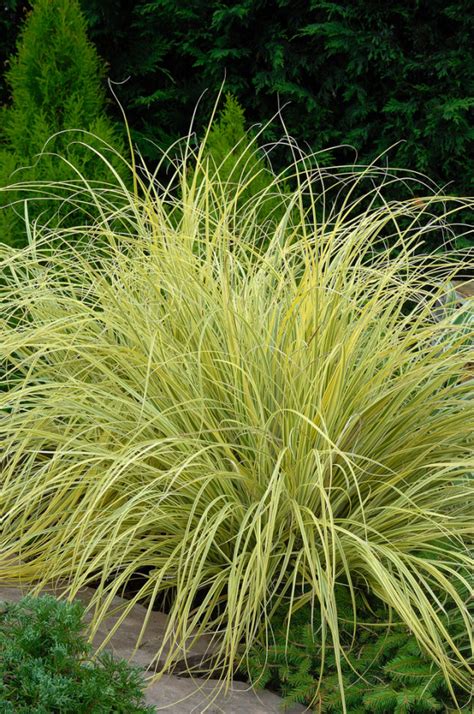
(247, 414)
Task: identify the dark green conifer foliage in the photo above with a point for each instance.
(387, 672)
(364, 72)
(11, 17)
(56, 84)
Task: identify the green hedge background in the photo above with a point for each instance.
(366, 72)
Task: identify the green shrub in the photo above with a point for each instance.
(46, 665)
(364, 73)
(240, 171)
(244, 428)
(56, 89)
(385, 671)
(367, 74)
(237, 165)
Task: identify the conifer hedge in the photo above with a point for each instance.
(365, 73)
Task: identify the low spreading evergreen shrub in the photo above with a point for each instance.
(46, 665)
(385, 671)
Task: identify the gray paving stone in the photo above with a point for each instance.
(194, 696)
(123, 640)
(178, 695)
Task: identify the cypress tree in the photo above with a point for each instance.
(234, 155)
(56, 85)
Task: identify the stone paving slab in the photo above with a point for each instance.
(171, 693)
(122, 642)
(194, 696)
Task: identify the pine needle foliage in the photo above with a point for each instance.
(385, 670)
(57, 101)
(46, 665)
(246, 414)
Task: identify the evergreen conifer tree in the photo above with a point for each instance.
(56, 85)
(233, 154)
